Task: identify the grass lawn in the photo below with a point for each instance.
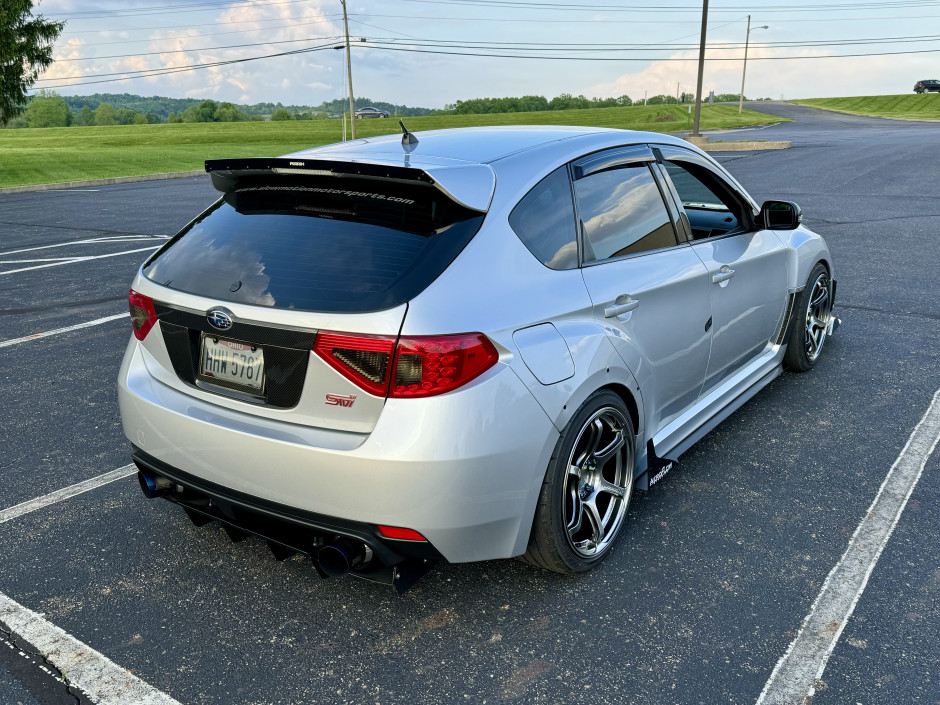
(49, 155)
(912, 106)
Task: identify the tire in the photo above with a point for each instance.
(587, 488)
(812, 314)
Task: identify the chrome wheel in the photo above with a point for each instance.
(599, 482)
(818, 316)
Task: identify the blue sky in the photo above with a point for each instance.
(116, 38)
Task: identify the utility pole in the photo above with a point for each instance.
(352, 102)
(677, 92)
(747, 40)
(701, 70)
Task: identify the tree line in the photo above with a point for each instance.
(566, 101)
(49, 109)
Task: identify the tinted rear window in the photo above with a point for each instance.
(339, 245)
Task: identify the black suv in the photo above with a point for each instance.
(932, 86)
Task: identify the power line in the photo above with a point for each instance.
(190, 51)
(162, 10)
(543, 46)
(325, 19)
(147, 73)
(580, 7)
(545, 57)
(129, 75)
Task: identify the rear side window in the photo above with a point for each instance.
(342, 245)
(544, 221)
(622, 213)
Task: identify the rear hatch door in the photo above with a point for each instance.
(285, 297)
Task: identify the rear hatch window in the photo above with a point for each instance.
(337, 245)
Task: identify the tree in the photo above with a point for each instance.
(280, 114)
(88, 115)
(104, 114)
(125, 116)
(139, 119)
(47, 109)
(25, 49)
(227, 112)
(203, 112)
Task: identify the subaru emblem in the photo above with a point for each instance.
(220, 318)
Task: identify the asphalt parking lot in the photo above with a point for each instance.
(703, 594)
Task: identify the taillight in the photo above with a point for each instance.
(421, 366)
(360, 359)
(143, 315)
(430, 365)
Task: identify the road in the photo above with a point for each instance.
(702, 595)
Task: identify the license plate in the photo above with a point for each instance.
(232, 363)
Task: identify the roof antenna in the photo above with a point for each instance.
(408, 140)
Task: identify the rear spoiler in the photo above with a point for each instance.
(459, 181)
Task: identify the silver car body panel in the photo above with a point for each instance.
(665, 340)
(748, 284)
(465, 468)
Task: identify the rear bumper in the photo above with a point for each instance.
(462, 469)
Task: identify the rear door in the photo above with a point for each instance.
(747, 266)
(647, 287)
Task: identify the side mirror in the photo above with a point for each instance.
(780, 215)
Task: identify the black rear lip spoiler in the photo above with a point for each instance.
(226, 173)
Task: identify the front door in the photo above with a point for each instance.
(747, 266)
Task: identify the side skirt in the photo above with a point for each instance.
(689, 428)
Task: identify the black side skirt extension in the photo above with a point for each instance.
(656, 468)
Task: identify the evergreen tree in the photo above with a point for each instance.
(25, 50)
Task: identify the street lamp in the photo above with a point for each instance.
(747, 40)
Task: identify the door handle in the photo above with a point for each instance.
(623, 304)
(723, 275)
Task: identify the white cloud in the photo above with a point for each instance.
(769, 78)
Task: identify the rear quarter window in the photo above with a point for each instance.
(343, 245)
(544, 221)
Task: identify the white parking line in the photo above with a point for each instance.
(795, 675)
(99, 677)
(78, 259)
(43, 259)
(102, 680)
(78, 488)
(77, 326)
(89, 241)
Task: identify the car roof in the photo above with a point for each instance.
(463, 161)
(480, 145)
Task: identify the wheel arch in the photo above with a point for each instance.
(628, 399)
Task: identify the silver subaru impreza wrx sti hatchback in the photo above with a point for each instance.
(463, 345)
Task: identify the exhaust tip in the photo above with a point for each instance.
(152, 485)
(337, 559)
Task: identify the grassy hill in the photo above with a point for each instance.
(36, 156)
(912, 106)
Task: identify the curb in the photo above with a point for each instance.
(101, 182)
(705, 145)
(743, 146)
